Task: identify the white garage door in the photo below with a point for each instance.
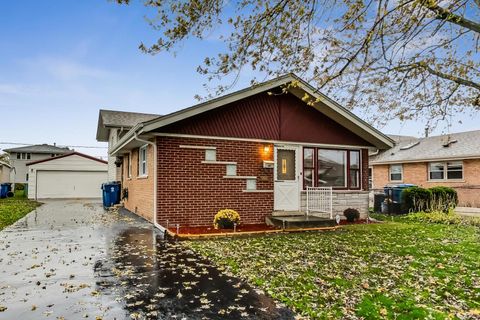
(70, 184)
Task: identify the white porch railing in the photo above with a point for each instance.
(320, 199)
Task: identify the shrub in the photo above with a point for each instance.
(224, 219)
(443, 199)
(416, 199)
(440, 217)
(351, 214)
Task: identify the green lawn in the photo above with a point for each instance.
(12, 209)
(394, 270)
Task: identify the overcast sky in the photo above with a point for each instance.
(63, 60)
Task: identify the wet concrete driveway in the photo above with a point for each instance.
(73, 260)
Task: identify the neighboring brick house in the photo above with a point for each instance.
(253, 151)
(451, 160)
(19, 157)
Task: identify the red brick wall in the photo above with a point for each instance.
(191, 192)
(140, 189)
(365, 169)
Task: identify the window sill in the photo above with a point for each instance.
(218, 162)
(395, 181)
(143, 177)
(448, 180)
(257, 191)
(239, 177)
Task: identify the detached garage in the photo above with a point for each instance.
(74, 175)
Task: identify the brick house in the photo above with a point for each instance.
(254, 151)
(451, 160)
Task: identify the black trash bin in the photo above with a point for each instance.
(393, 195)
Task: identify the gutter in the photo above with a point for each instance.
(154, 145)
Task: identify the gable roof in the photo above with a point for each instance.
(119, 119)
(326, 105)
(39, 148)
(462, 145)
(68, 155)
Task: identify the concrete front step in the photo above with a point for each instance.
(296, 222)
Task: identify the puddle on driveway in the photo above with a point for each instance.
(73, 260)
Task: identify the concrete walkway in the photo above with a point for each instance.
(73, 260)
(468, 211)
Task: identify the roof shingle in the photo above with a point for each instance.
(39, 148)
(450, 146)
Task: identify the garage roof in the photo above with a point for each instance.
(68, 155)
(39, 148)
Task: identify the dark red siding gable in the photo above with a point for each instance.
(271, 117)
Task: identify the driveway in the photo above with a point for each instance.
(73, 260)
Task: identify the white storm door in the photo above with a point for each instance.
(287, 179)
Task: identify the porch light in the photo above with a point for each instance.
(266, 148)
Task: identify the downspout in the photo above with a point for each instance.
(154, 145)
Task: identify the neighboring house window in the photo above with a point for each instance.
(396, 172)
(331, 168)
(142, 161)
(445, 170)
(23, 156)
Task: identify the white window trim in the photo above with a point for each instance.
(141, 161)
(445, 172)
(390, 172)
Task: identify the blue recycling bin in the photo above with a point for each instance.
(111, 194)
(5, 189)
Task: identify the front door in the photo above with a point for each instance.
(287, 179)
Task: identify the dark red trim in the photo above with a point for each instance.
(67, 155)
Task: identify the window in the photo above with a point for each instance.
(453, 170)
(331, 168)
(437, 171)
(142, 161)
(231, 169)
(210, 155)
(396, 172)
(23, 156)
(308, 167)
(354, 168)
(251, 184)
